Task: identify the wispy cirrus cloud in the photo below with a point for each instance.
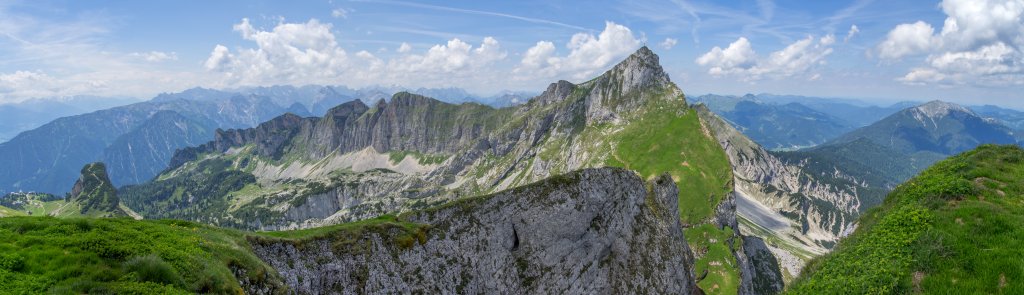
(477, 12)
(66, 55)
(155, 56)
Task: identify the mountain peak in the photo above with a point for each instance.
(938, 108)
(641, 67)
(646, 54)
(94, 194)
(641, 70)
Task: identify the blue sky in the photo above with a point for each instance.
(878, 50)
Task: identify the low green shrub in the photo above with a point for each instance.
(152, 268)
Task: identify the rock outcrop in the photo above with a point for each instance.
(93, 195)
(765, 272)
(594, 231)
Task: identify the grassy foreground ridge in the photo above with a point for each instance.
(122, 256)
(957, 228)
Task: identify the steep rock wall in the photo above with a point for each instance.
(593, 231)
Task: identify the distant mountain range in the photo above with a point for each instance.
(855, 113)
(899, 146)
(137, 141)
(776, 126)
(1011, 118)
(47, 159)
(26, 115)
(789, 122)
(937, 127)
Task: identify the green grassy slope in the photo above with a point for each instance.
(5, 212)
(122, 256)
(663, 142)
(957, 228)
(32, 204)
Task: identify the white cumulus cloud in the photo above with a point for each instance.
(739, 59)
(981, 43)
(907, 39)
(309, 53)
(669, 43)
(453, 57)
(290, 53)
(27, 84)
(587, 54)
(405, 47)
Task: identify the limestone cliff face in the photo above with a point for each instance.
(594, 231)
(408, 122)
(765, 272)
(268, 138)
(634, 76)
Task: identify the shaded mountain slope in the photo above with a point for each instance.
(144, 152)
(45, 159)
(27, 115)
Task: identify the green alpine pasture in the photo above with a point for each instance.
(122, 256)
(716, 268)
(956, 228)
(665, 142)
